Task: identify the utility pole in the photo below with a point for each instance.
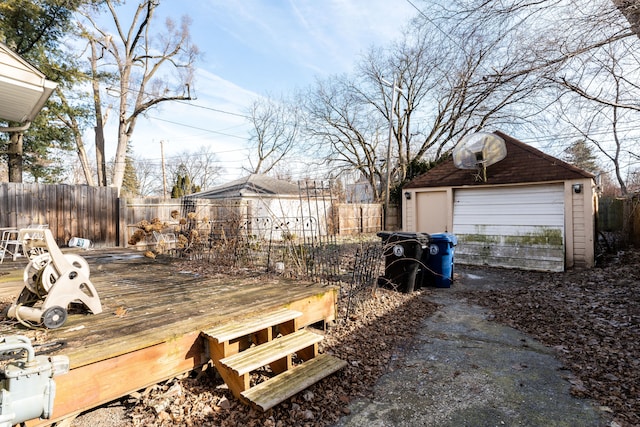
(164, 175)
(394, 88)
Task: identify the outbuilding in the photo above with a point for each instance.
(275, 209)
(529, 210)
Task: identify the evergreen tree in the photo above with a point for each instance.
(580, 154)
(183, 185)
(416, 167)
(130, 183)
(34, 30)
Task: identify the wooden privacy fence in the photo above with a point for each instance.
(620, 216)
(69, 210)
(97, 214)
(356, 218)
(212, 217)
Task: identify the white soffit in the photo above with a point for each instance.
(23, 89)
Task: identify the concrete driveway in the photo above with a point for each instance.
(465, 370)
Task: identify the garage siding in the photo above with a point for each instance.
(513, 227)
(582, 227)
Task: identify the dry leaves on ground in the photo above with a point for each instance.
(592, 317)
(367, 342)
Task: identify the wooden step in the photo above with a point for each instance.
(272, 351)
(247, 326)
(281, 387)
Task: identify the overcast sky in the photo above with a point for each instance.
(260, 47)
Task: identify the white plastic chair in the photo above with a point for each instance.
(164, 241)
(10, 244)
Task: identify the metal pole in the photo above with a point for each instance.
(388, 178)
(164, 176)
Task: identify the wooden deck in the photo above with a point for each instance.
(150, 326)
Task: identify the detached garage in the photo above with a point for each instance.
(528, 210)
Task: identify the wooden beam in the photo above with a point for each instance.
(92, 385)
(273, 391)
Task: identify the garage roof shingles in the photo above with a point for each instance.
(251, 185)
(522, 164)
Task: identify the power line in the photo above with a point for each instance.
(214, 109)
(432, 22)
(178, 101)
(197, 128)
(576, 135)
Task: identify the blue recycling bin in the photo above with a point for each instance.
(440, 260)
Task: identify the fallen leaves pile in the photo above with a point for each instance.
(591, 317)
(366, 340)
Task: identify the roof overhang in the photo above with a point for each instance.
(24, 88)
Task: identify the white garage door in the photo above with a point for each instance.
(517, 227)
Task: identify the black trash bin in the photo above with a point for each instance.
(440, 260)
(404, 254)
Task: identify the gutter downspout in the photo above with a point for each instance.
(16, 128)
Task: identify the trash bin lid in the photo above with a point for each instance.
(384, 234)
(444, 237)
(422, 238)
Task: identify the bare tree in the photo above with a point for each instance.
(631, 11)
(587, 52)
(607, 90)
(202, 167)
(444, 93)
(149, 177)
(273, 134)
(344, 129)
(96, 77)
(143, 61)
(68, 115)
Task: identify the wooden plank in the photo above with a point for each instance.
(230, 331)
(11, 206)
(74, 206)
(4, 205)
(261, 355)
(42, 215)
(22, 206)
(111, 221)
(321, 306)
(52, 213)
(159, 301)
(82, 228)
(92, 385)
(29, 203)
(158, 305)
(281, 387)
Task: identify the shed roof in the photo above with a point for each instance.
(252, 185)
(23, 87)
(522, 164)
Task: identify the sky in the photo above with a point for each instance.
(254, 48)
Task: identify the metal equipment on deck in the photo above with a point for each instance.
(27, 389)
(53, 281)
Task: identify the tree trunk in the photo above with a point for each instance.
(101, 163)
(631, 10)
(121, 151)
(84, 161)
(15, 157)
